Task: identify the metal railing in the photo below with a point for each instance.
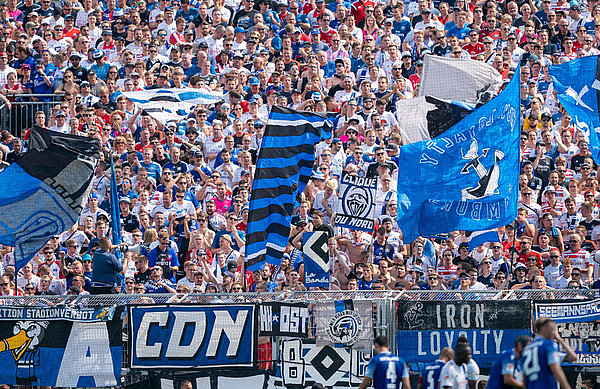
(84, 301)
(384, 306)
(21, 114)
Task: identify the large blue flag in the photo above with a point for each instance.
(284, 166)
(577, 85)
(43, 192)
(468, 177)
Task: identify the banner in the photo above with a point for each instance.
(357, 203)
(578, 323)
(284, 166)
(347, 323)
(467, 178)
(425, 117)
(426, 327)
(44, 191)
(284, 319)
(315, 253)
(198, 336)
(302, 364)
(460, 79)
(60, 346)
(577, 85)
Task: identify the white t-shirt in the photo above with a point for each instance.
(454, 376)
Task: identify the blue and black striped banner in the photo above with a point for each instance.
(284, 166)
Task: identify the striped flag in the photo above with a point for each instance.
(285, 162)
(477, 238)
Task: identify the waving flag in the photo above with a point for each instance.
(577, 85)
(285, 162)
(44, 191)
(477, 238)
(460, 79)
(426, 117)
(173, 103)
(468, 177)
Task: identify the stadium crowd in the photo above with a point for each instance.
(184, 186)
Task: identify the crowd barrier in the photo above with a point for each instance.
(274, 340)
(21, 114)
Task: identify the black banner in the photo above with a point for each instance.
(62, 347)
(450, 315)
(283, 319)
(426, 327)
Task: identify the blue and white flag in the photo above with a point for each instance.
(477, 238)
(285, 162)
(577, 85)
(165, 105)
(44, 191)
(468, 177)
(315, 253)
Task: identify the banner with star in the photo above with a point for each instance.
(284, 319)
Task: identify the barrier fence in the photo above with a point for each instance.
(277, 340)
(21, 113)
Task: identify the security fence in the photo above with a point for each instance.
(282, 339)
(20, 114)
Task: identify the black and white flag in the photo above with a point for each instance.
(355, 210)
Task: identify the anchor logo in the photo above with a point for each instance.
(488, 179)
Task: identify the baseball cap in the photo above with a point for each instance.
(259, 123)
(520, 266)
(336, 140)
(98, 53)
(253, 81)
(317, 175)
(406, 54)
(315, 31)
(239, 30)
(60, 113)
(125, 199)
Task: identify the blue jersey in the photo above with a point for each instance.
(430, 375)
(535, 364)
(505, 364)
(386, 370)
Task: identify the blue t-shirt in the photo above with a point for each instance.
(386, 370)
(505, 364)
(535, 364)
(460, 33)
(430, 375)
(165, 259)
(401, 29)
